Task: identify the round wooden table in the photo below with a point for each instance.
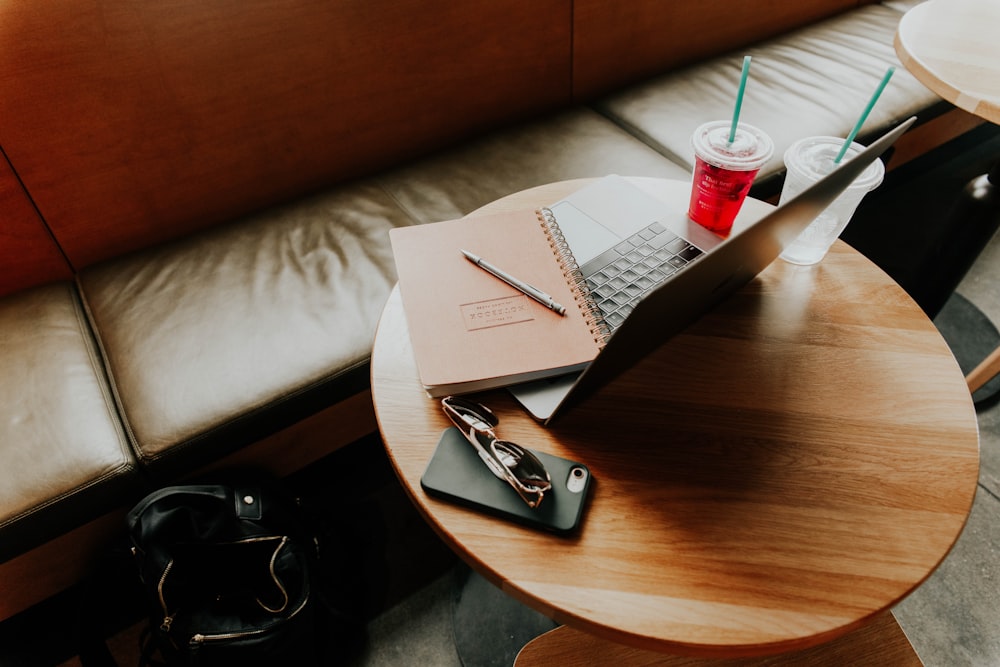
(781, 472)
(951, 47)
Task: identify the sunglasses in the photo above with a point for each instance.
(509, 462)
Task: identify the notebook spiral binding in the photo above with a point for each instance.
(571, 270)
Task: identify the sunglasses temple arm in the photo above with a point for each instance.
(490, 462)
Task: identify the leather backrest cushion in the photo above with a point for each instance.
(617, 42)
(134, 122)
(28, 254)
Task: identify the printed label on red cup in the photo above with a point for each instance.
(724, 171)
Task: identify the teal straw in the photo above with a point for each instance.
(864, 115)
(739, 98)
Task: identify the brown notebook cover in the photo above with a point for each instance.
(471, 331)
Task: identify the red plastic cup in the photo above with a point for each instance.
(724, 171)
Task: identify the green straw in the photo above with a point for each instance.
(864, 114)
(739, 98)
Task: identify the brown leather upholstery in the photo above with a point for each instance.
(65, 458)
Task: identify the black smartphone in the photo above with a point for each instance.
(456, 473)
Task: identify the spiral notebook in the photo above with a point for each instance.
(469, 330)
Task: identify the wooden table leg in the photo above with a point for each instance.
(984, 372)
(881, 642)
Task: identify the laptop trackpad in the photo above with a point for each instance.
(541, 397)
(587, 237)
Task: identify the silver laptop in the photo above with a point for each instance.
(627, 242)
(593, 224)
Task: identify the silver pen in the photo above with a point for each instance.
(523, 287)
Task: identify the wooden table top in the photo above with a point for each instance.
(951, 47)
(795, 462)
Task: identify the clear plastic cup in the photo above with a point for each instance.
(808, 160)
(724, 171)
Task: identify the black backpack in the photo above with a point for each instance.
(230, 577)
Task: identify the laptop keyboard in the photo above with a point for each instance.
(618, 278)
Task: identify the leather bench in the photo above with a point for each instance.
(222, 313)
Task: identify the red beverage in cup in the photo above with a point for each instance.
(724, 171)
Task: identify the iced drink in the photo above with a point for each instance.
(808, 160)
(724, 171)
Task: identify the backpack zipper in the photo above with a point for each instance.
(198, 638)
(276, 580)
(168, 618)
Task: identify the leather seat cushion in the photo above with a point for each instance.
(66, 459)
(573, 144)
(814, 81)
(226, 337)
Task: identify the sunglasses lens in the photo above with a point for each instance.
(474, 414)
(524, 465)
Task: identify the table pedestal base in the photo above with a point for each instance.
(490, 626)
(881, 642)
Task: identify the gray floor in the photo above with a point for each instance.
(418, 631)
